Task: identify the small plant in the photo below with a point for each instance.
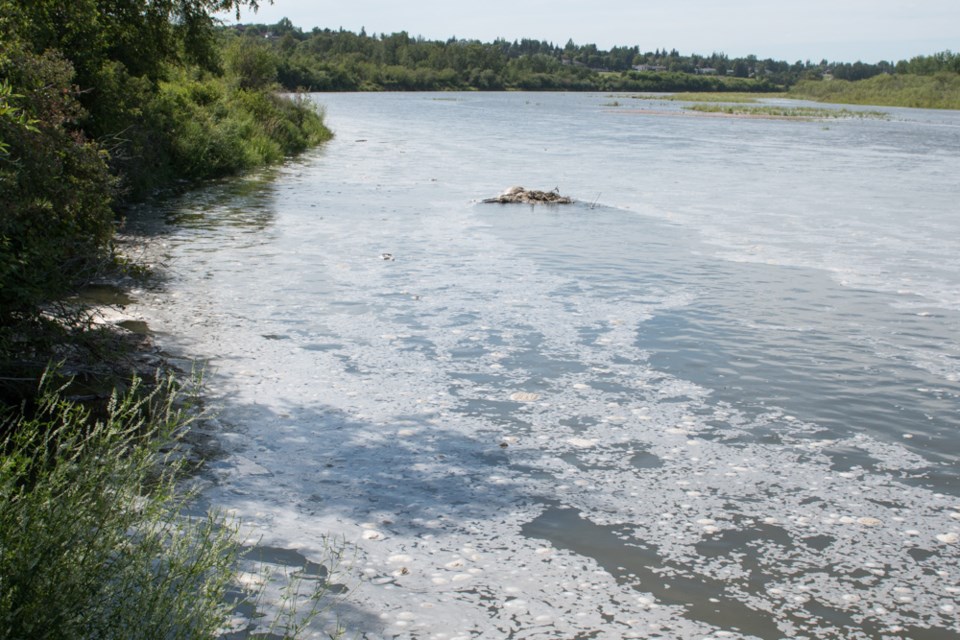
(291, 598)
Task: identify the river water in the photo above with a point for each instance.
(717, 397)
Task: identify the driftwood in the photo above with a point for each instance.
(523, 196)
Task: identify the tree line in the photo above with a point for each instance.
(341, 60)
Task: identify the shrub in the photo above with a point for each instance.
(55, 192)
(92, 543)
(95, 543)
(214, 130)
(58, 186)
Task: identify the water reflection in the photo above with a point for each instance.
(244, 202)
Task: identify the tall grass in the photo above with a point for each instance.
(940, 91)
(94, 540)
(91, 541)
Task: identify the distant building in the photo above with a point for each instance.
(649, 67)
(707, 71)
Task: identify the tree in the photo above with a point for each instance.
(252, 65)
(111, 41)
(141, 34)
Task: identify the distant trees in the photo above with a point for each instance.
(251, 64)
(945, 61)
(339, 60)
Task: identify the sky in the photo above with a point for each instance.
(836, 30)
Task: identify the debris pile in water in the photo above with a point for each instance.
(523, 196)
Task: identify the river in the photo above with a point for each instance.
(716, 397)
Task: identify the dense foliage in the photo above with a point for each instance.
(55, 188)
(104, 101)
(930, 65)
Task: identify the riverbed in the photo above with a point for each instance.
(718, 396)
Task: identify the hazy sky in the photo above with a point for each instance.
(838, 30)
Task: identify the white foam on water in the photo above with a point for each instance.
(380, 421)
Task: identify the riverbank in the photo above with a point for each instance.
(87, 129)
(98, 111)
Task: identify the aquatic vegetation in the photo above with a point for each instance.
(788, 112)
(716, 97)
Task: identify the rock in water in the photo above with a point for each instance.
(519, 195)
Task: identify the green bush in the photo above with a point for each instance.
(92, 540)
(251, 65)
(213, 129)
(55, 190)
(59, 186)
(95, 539)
